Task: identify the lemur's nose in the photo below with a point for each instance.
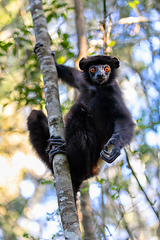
(99, 75)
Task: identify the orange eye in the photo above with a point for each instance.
(92, 70)
(106, 69)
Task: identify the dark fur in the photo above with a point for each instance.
(97, 114)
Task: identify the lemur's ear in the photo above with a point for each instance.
(116, 62)
(82, 63)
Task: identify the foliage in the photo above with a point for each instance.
(128, 200)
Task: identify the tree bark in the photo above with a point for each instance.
(63, 183)
(79, 19)
(89, 228)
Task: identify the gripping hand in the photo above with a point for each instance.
(56, 145)
(111, 156)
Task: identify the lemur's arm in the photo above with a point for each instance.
(69, 75)
(123, 132)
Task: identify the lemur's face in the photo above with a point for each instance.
(99, 73)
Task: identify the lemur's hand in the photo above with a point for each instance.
(111, 156)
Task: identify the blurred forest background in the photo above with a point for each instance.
(125, 198)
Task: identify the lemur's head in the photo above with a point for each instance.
(99, 69)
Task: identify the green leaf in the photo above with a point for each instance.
(101, 180)
(152, 204)
(53, 2)
(136, 2)
(64, 15)
(112, 43)
(5, 46)
(14, 50)
(26, 235)
(59, 32)
(61, 5)
(133, 4)
(70, 54)
(70, 8)
(61, 60)
(51, 15)
(46, 182)
(65, 36)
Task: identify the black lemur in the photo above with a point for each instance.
(98, 118)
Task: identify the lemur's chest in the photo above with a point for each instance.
(103, 118)
(101, 108)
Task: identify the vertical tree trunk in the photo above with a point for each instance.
(63, 184)
(82, 41)
(89, 228)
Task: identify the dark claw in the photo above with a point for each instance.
(109, 158)
(53, 54)
(107, 153)
(56, 145)
(55, 141)
(55, 151)
(37, 46)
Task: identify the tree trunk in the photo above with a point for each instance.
(89, 228)
(82, 41)
(63, 184)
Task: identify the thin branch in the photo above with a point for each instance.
(106, 35)
(109, 49)
(104, 24)
(122, 212)
(23, 13)
(130, 20)
(140, 186)
(104, 225)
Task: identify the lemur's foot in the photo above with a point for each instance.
(56, 145)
